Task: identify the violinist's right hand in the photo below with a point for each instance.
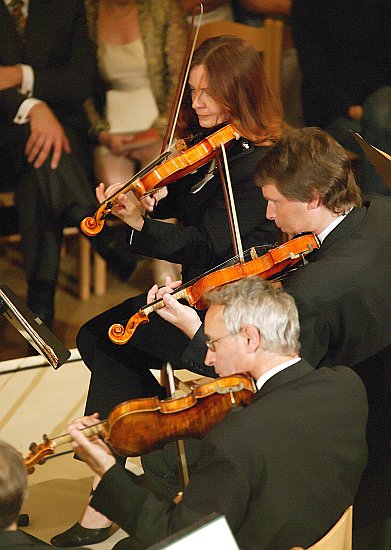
(181, 316)
(124, 207)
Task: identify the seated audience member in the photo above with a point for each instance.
(283, 469)
(13, 488)
(344, 55)
(47, 71)
(140, 47)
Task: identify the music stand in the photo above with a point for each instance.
(380, 160)
(32, 328)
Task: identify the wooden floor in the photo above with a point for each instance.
(43, 400)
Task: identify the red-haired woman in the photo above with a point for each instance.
(226, 84)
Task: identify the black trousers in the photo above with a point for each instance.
(47, 200)
(121, 372)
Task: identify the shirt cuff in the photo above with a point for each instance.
(22, 116)
(131, 237)
(27, 86)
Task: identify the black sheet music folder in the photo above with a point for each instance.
(32, 328)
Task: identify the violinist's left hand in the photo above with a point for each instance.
(157, 293)
(125, 207)
(93, 451)
(181, 316)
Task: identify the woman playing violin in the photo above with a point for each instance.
(226, 85)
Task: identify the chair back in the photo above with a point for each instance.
(338, 538)
(267, 39)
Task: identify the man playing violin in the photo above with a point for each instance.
(226, 85)
(273, 468)
(343, 294)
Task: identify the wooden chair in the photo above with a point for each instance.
(338, 538)
(267, 39)
(86, 274)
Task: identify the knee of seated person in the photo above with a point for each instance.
(85, 341)
(377, 109)
(342, 129)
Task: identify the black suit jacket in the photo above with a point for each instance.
(281, 470)
(12, 540)
(62, 57)
(20, 539)
(343, 294)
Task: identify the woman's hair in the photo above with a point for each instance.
(254, 301)
(13, 484)
(237, 81)
(307, 161)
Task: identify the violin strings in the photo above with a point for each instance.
(148, 308)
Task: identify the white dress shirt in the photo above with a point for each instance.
(27, 86)
(267, 375)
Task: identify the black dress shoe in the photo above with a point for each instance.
(77, 535)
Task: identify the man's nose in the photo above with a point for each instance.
(209, 358)
(270, 211)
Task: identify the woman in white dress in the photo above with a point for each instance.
(140, 45)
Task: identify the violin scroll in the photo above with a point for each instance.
(38, 453)
(91, 226)
(120, 335)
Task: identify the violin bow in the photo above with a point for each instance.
(179, 444)
(230, 205)
(167, 143)
(182, 79)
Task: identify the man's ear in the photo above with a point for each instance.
(316, 200)
(252, 338)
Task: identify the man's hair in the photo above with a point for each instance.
(13, 484)
(254, 301)
(237, 82)
(307, 161)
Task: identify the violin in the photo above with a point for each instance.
(139, 426)
(170, 170)
(269, 264)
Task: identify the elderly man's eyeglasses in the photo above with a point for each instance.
(210, 344)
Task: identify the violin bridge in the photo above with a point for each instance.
(253, 253)
(180, 145)
(294, 256)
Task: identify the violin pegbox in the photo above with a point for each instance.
(38, 453)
